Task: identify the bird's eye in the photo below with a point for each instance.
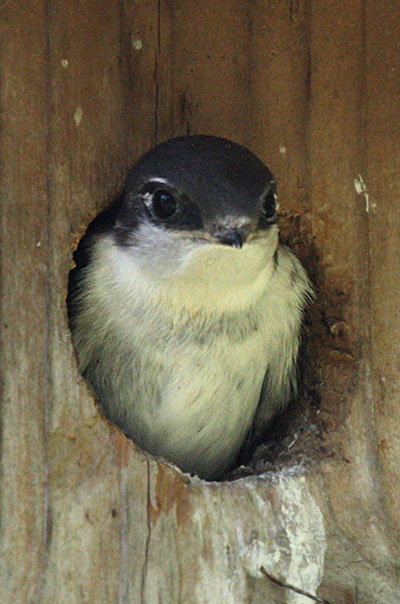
(164, 203)
(269, 204)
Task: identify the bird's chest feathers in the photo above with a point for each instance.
(203, 324)
(209, 379)
(218, 304)
(218, 278)
(206, 278)
(222, 374)
(199, 339)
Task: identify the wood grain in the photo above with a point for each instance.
(312, 87)
(382, 128)
(24, 300)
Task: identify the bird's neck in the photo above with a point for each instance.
(210, 278)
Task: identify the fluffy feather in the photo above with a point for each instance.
(189, 343)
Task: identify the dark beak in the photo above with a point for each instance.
(232, 237)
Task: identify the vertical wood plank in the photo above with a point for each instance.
(279, 64)
(383, 187)
(341, 236)
(86, 129)
(24, 300)
(203, 69)
(336, 86)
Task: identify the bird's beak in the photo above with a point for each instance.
(233, 237)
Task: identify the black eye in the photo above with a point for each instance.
(164, 204)
(269, 204)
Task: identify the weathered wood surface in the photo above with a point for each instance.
(313, 87)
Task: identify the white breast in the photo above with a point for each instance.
(186, 347)
(209, 401)
(176, 271)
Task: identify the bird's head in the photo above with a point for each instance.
(200, 210)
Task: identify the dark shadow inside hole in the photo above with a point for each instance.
(294, 435)
(100, 224)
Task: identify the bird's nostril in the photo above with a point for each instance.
(231, 237)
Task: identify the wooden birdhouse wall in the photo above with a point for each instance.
(312, 87)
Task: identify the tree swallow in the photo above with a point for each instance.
(185, 309)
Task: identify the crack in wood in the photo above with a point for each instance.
(148, 537)
(296, 590)
(293, 8)
(156, 74)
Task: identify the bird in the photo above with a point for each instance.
(184, 307)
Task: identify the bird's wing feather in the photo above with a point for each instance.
(293, 293)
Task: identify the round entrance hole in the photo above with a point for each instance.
(186, 313)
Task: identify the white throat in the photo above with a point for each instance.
(221, 277)
(188, 274)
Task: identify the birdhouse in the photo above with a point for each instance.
(312, 89)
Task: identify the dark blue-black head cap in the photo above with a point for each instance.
(194, 182)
